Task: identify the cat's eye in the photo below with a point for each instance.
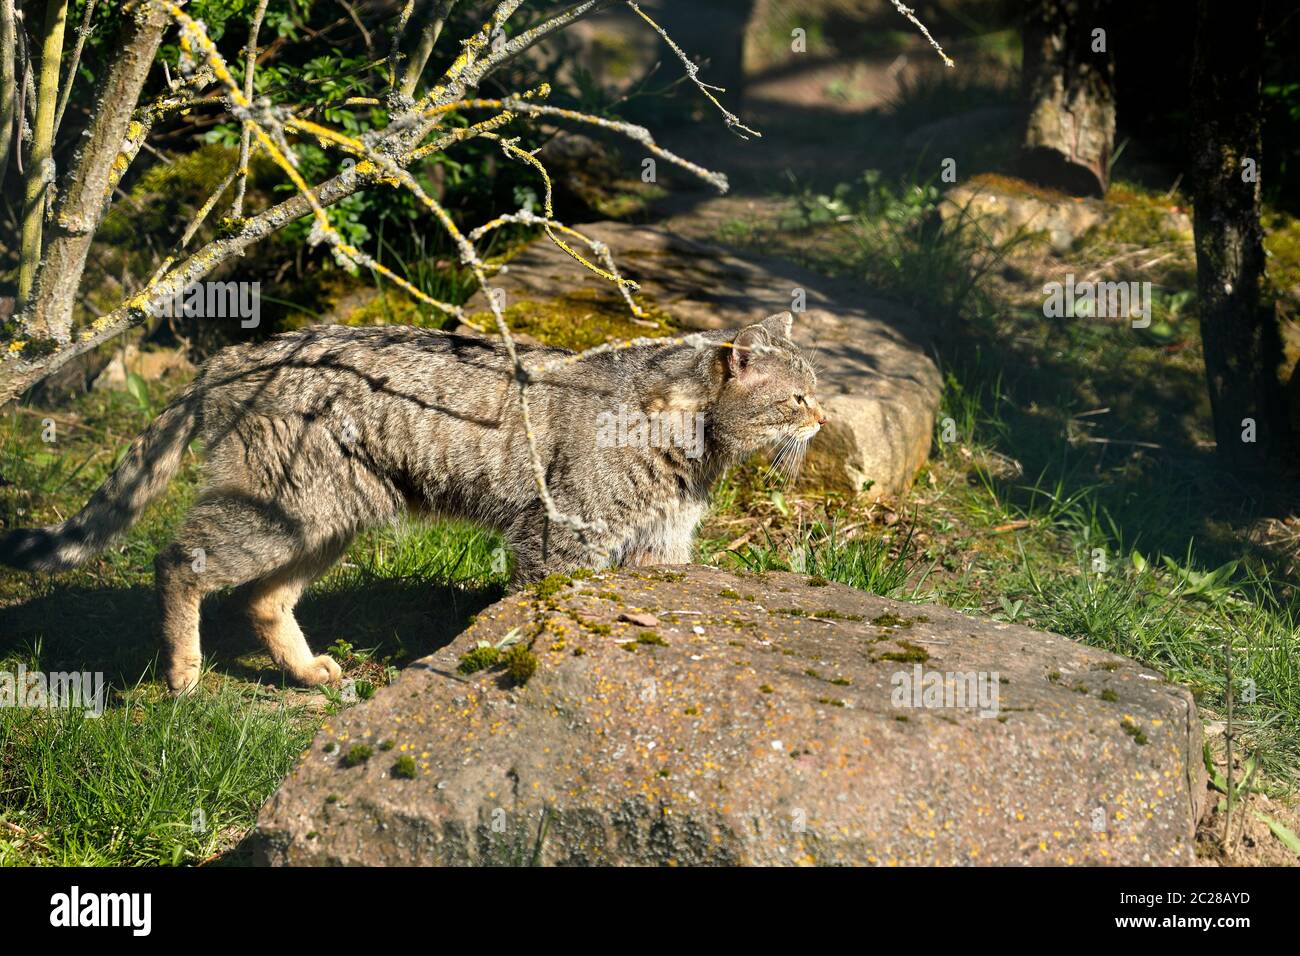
(800, 400)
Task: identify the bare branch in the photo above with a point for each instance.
(638, 133)
(83, 30)
(911, 15)
(692, 70)
(250, 67)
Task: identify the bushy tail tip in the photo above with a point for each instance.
(41, 549)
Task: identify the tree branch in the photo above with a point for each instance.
(250, 67)
(8, 78)
(40, 171)
(424, 49)
(83, 31)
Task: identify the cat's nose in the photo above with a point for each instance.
(818, 412)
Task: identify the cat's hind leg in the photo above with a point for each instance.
(229, 539)
(271, 602)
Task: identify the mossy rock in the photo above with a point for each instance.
(579, 319)
(1140, 217)
(1014, 186)
(697, 749)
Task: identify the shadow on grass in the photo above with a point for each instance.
(114, 629)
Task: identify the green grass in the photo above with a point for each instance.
(151, 782)
(867, 563)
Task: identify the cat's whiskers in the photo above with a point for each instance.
(782, 445)
(793, 461)
(787, 459)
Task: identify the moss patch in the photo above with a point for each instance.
(478, 659)
(521, 663)
(910, 654)
(580, 319)
(357, 754)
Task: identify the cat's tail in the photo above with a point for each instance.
(142, 476)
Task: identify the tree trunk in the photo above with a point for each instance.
(1239, 323)
(1069, 86)
(88, 188)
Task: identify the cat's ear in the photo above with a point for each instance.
(741, 350)
(779, 325)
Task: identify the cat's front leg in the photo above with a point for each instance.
(670, 540)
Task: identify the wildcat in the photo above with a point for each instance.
(317, 434)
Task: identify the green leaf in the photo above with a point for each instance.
(1282, 832)
(138, 389)
(512, 637)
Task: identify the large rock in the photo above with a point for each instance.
(1002, 214)
(1004, 207)
(877, 384)
(756, 719)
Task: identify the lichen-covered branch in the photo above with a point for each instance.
(395, 40)
(39, 178)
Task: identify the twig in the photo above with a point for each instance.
(83, 29)
(245, 135)
(692, 70)
(1227, 737)
(911, 15)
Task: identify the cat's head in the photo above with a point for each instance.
(767, 394)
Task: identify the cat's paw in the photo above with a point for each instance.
(183, 677)
(321, 670)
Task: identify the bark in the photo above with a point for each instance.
(39, 175)
(88, 188)
(1070, 92)
(1239, 323)
(8, 81)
